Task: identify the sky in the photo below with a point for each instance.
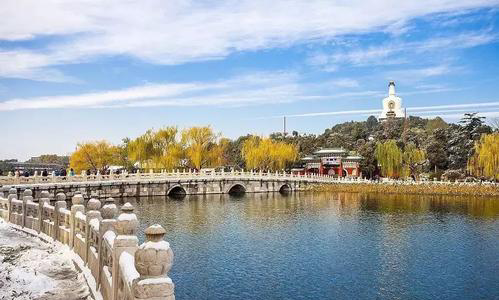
(85, 70)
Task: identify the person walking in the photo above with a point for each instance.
(45, 173)
(71, 172)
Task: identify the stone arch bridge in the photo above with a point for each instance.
(164, 184)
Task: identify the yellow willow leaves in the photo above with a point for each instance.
(413, 159)
(266, 154)
(485, 161)
(389, 157)
(198, 142)
(395, 162)
(93, 156)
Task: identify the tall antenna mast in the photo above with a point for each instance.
(406, 126)
(284, 126)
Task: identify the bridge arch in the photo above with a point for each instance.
(236, 189)
(176, 191)
(285, 189)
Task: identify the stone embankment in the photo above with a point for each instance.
(421, 188)
(103, 243)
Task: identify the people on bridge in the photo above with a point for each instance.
(71, 172)
(63, 172)
(45, 173)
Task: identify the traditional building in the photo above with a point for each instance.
(392, 105)
(333, 161)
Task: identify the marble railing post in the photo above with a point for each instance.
(60, 203)
(108, 212)
(5, 191)
(153, 261)
(77, 206)
(126, 241)
(12, 195)
(93, 206)
(44, 197)
(27, 196)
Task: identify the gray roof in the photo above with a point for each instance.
(330, 150)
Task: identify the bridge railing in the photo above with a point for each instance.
(314, 178)
(103, 241)
(10, 180)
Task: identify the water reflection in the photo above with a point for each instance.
(323, 245)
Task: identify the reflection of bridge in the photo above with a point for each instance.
(162, 184)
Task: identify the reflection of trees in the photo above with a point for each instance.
(205, 212)
(440, 204)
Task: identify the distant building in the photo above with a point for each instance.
(333, 161)
(392, 105)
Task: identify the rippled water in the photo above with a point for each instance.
(330, 246)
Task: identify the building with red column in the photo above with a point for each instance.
(331, 161)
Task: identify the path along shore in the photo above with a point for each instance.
(32, 269)
(421, 188)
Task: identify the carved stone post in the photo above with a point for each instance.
(93, 206)
(153, 261)
(27, 196)
(44, 198)
(77, 206)
(60, 203)
(126, 227)
(108, 212)
(12, 195)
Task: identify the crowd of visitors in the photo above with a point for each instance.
(61, 172)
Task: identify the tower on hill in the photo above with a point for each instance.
(392, 105)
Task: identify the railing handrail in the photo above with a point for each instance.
(125, 177)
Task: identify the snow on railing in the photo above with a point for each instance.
(9, 180)
(104, 241)
(190, 175)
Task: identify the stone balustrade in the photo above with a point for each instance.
(104, 241)
(177, 175)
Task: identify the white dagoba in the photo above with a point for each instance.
(392, 105)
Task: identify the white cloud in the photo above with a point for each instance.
(243, 90)
(417, 74)
(174, 32)
(419, 110)
(345, 82)
(248, 89)
(395, 53)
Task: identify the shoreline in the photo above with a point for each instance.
(479, 190)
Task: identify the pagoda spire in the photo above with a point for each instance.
(391, 88)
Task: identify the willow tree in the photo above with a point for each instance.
(250, 152)
(168, 151)
(157, 149)
(96, 156)
(413, 160)
(218, 153)
(389, 157)
(485, 161)
(141, 149)
(198, 142)
(267, 154)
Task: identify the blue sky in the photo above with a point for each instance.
(87, 70)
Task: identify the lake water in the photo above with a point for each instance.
(329, 246)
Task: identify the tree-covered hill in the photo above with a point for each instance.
(447, 145)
